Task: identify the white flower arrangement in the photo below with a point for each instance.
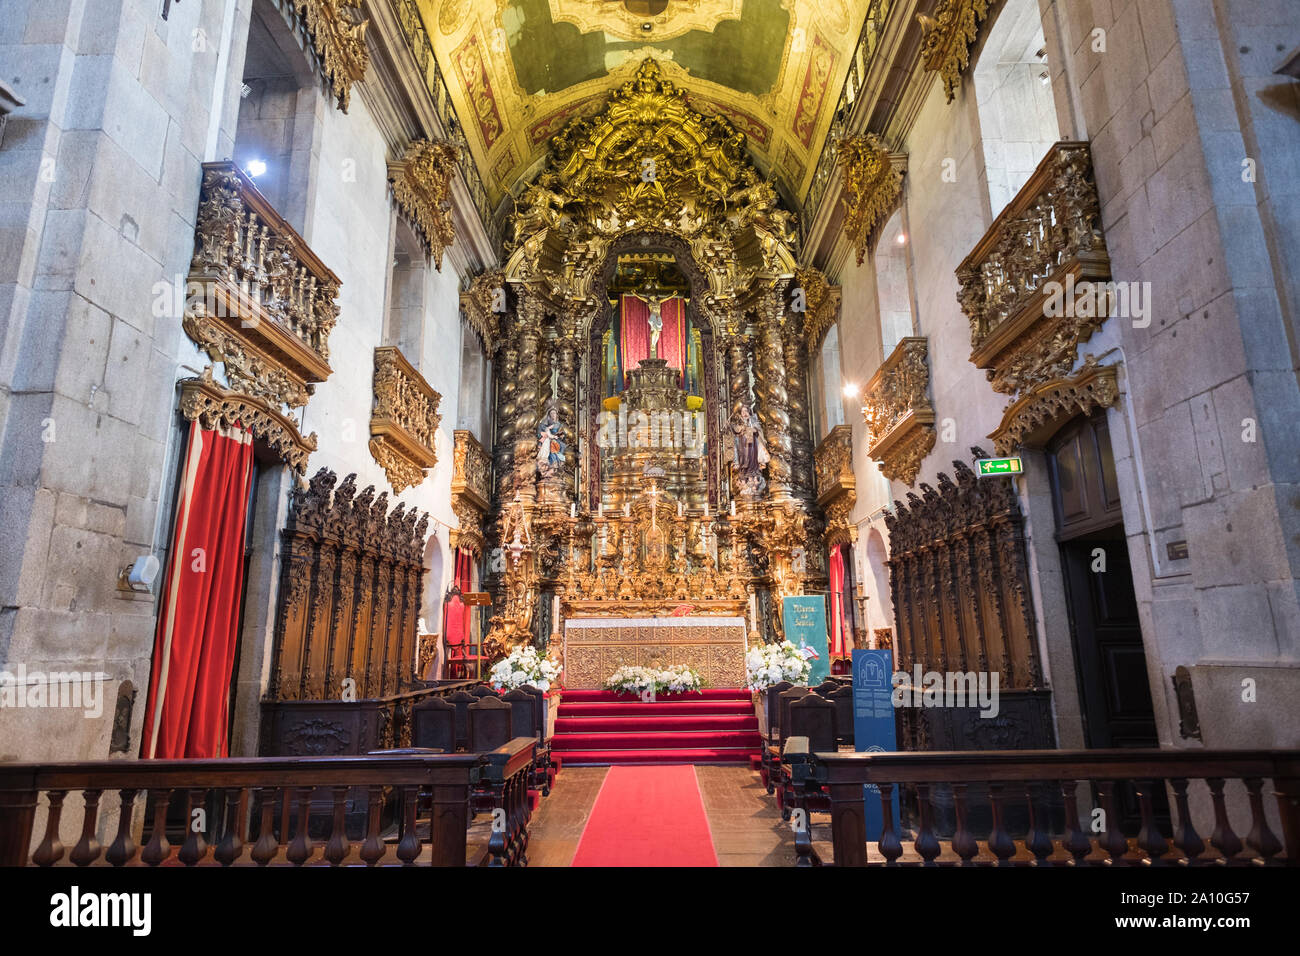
(630, 679)
(523, 666)
(769, 664)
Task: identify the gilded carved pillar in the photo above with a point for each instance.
(566, 400)
(507, 406)
(796, 386)
(527, 396)
(770, 390)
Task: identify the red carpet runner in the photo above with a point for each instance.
(647, 816)
(601, 727)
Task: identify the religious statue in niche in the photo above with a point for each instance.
(750, 453)
(550, 446)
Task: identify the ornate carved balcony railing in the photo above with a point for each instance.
(837, 492)
(259, 301)
(421, 182)
(898, 413)
(404, 424)
(1046, 241)
(471, 490)
(873, 181)
(947, 37)
(334, 31)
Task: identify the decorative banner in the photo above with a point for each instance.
(805, 626)
(873, 724)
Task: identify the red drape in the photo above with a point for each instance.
(635, 329)
(837, 602)
(194, 648)
(455, 624)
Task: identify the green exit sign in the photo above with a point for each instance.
(998, 466)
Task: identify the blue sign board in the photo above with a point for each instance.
(873, 724)
(805, 626)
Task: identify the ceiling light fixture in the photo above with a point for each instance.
(902, 238)
(850, 390)
(255, 168)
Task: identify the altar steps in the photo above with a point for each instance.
(601, 727)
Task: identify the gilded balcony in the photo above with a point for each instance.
(404, 423)
(898, 413)
(258, 299)
(836, 484)
(471, 488)
(1025, 287)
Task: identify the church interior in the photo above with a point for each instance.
(649, 433)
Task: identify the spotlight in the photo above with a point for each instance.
(255, 168)
(902, 238)
(850, 390)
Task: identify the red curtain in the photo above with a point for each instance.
(635, 328)
(841, 610)
(194, 648)
(455, 623)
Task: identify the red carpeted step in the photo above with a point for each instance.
(637, 723)
(687, 740)
(621, 757)
(659, 708)
(609, 696)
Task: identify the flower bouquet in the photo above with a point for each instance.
(768, 664)
(523, 666)
(630, 679)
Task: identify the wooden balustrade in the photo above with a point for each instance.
(270, 811)
(1055, 788)
(897, 411)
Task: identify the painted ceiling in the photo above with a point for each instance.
(519, 70)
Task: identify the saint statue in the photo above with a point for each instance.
(750, 453)
(550, 446)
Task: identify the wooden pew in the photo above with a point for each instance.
(772, 754)
(527, 720)
(812, 721)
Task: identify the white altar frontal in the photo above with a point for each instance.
(596, 647)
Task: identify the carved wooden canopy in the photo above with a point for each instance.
(336, 30)
(898, 413)
(404, 424)
(421, 182)
(873, 183)
(947, 37)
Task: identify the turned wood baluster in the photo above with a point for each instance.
(964, 843)
(232, 841)
(51, 849)
(409, 846)
(195, 847)
(300, 848)
(267, 845)
(158, 847)
(1260, 838)
(337, 846)
(926, 843)
(1149, 837)
(372, 850)
(1186, 839)
(1286, 789)
(123, 847)
(891, 846)
(87, 849)
(1076, 841)
(1223, 838)
(1000, 842)
(1114, 842)
(1039, 839)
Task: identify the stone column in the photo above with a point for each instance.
(770, 389)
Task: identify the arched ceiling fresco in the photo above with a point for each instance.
(519, 70)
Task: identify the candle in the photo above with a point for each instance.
(573, 510)
(627, 509)
(679, 509)
(706, 508)
(600, 508)
(733, 507)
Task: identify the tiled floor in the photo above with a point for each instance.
(746, 825)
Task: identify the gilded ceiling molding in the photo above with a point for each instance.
(1037, 285)
(822, 305)
(404, 424)
(649, 162)
(337, 30)
(258, 300)
(947, 37)
(471, 491)
(898, 413)
(1033, 418)
(837, 493)
(484, 303)
(873, 183)
(213, 407)
(421, 182)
